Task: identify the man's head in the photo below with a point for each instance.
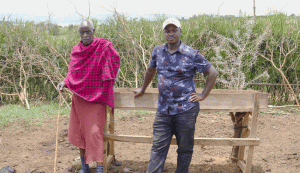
(86, 31)
(172, 30)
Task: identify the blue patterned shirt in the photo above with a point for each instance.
(175, 77)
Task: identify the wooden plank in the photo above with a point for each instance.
(249, 159)
(272, 84)
(226, 141)
(201, 110)
(110, 159)
(242, 165)
(105, 152)
(127, 100)
(263, 101)
(111, 129)
(198, 90)
(218, 100)
(254, 116)
(197, 141)
(252, 132)
(105, 165)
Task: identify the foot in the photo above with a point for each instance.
(85, 167)
(99, 169)
(82, 171)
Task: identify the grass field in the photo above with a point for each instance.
(12, 112)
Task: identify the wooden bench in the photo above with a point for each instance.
(246, 101)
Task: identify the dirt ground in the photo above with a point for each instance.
(31, 148)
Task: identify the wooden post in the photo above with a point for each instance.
(105, 152)
(108, 155)
(252, 132)
(111, 131)
(254, 116)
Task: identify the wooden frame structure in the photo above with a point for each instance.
(246, 101)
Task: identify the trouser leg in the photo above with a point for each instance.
(162, 135)
(185, 130)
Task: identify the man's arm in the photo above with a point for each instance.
(212, 75)
(148, 78)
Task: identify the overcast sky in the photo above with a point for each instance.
(65, 9)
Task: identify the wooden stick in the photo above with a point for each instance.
(106, 147)
(284, 106)
(197, 141)
(272, 84)
(9, 94)
(56, 143)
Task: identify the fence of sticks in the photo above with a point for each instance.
(243, 107)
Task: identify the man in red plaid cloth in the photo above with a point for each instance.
(92, 70)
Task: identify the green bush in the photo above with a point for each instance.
(34, 57)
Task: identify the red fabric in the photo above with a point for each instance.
(92, 71)
(86, 128)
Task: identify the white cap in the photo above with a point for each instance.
(173, 21)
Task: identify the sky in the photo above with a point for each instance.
(64, 11)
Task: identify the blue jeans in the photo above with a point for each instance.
(164, 126)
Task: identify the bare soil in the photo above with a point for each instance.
(31, 148)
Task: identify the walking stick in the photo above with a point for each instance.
(55, 157)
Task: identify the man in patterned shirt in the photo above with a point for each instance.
(178, 102)
(92, 71)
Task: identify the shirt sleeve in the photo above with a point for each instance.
(152, 63)
(201, 64)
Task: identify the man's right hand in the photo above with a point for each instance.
(138, 93)
(61, 86)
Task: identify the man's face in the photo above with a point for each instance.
(172, 34)
(86, 34)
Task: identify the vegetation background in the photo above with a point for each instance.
(34, 57)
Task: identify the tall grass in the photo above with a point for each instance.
(34, 58)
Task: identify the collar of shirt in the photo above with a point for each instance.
(179, 49)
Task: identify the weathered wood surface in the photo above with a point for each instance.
(249, 160)
(237, 119)
(244, 134)
(242, 165)
(218, 100)
(197, 141)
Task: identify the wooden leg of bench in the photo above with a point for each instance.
(105, 158)
(110, 159)
(242, 165)
(105, 152)
(249, 159)
(111, 131)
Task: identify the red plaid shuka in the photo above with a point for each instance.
(92, 71)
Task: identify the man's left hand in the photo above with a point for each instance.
(196, 97)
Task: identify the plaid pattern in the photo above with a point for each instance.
(175, 77)
(92, 71)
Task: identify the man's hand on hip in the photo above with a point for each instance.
(196, 97)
